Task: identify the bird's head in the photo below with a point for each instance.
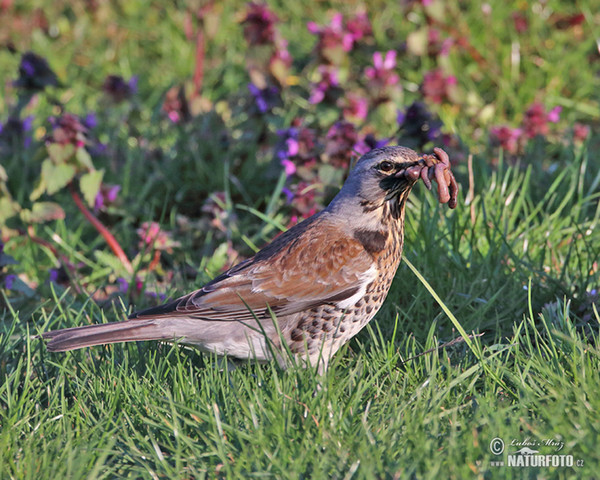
(377, 185)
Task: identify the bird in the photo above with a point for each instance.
(306, 293)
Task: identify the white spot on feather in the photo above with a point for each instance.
(365, 279)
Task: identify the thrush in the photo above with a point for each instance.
(310, 290)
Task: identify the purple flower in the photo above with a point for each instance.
(418, 126)
(53, 275)
(118, 89)
(34, 73)
(368, 143)
(264, 98)
(400, 117)
(90, 121)
(123, 284)
(9, 280)
(288, 194)
(14, 132)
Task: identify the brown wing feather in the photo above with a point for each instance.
(293, 273)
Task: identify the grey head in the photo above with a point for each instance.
(373, 185)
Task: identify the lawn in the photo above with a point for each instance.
(145, 147)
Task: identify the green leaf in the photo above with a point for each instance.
(84, 159)
(8, 208)
(60, 154)
(43, 212)
(89, 184)
(3, 175)
(111, 261)
(39, 189)
(56, 177)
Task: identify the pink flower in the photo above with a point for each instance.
(580, 132)
(554, 114)
(341, 138)
(535, 121)
(151, 235)
(356, 107)
(381, 73)
(520, 21)
(338, 35)
(289, 166)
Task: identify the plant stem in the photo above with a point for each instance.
(98, 225)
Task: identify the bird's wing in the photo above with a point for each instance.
(299, 270)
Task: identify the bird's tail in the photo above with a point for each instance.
(90, 335)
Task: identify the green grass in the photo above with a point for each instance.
(516, 263)
(147, 410)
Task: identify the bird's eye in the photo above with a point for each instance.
(386, 166)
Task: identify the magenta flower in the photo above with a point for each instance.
(289, 167)
(329, 80)
(368, 143)
(334, 34)
(281, 56)
(339, 146)
(535, 121)
(580, 132)
(176, 105)
(106, 196)
(554, 114)
(436, 86)
(356, 108)
(68, 129)
(381, 73)
(151, 235)
(507, 138)
(359, 26)
(520, 22)
(259, 24)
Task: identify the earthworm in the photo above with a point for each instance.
(437, 167)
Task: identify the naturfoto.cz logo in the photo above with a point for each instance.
(529, 455)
